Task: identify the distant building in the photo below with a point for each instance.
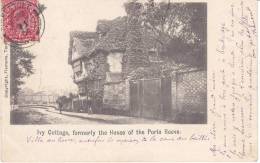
(36, 98)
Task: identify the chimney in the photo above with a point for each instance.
(136, 55)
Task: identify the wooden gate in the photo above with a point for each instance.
(150, 98)
(166, 84)
(134, 98)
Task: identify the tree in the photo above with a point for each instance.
(21, 67)
(180, 29)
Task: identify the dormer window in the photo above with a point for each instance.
(75, 53)
(102, 29)
(88, 43)
(99, 35)
(74, 47)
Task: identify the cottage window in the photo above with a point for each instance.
(100, 35)
(153, 55)
(97, 84)
(90, 66)
(77, 67)
(82, 90)
(114, 61)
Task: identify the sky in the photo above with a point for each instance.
(52, 71)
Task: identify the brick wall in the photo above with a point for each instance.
(191, 91)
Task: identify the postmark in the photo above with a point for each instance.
(22, 21)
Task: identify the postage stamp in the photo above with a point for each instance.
(21, 22)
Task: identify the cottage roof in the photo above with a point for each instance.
(84, 47)
(82, 42)
(113, 34)
(110, 36)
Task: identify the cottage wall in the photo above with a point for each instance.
(114, 96)
(96, 66)
(92, 84)
(114, 87)
(104, 78)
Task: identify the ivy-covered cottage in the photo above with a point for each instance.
(118, 71)
(97, 61)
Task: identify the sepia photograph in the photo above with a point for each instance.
(128, 80)
(118, 62)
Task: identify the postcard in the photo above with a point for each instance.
(128, 80)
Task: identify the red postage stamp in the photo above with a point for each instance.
(21, 22)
